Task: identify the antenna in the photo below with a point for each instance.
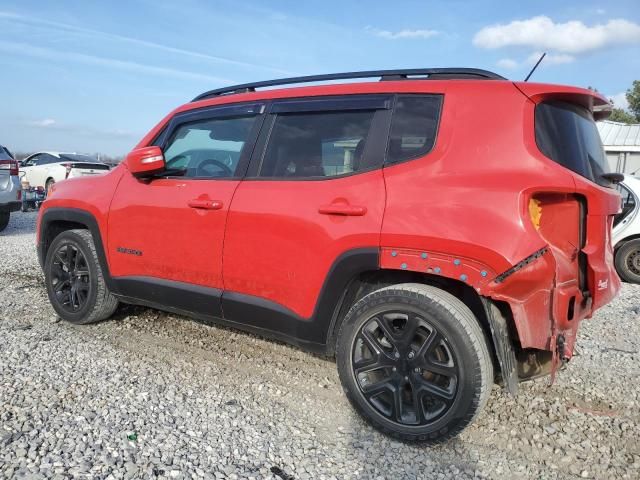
(535, 66)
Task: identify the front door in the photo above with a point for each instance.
(313, 195)
(165, 235)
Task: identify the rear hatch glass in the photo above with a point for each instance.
(83, 161)
(567, 134)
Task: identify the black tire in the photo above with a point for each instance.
(628, 261)
(444, 365)
(4, 220)
(47, 186)
(74, 279)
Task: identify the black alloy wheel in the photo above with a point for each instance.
(70, 278)
(405, 368)
(414, 362)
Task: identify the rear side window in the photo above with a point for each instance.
(567, 134)
(414, 126)
(316, 144)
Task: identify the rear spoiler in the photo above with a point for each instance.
(88, 165)
(590, 99)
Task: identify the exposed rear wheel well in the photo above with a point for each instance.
(368, 282)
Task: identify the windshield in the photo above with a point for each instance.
(74, 157)
(567, 134)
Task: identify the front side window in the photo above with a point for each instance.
(414, 126)
(567, 134)
(208, 148)
(316, 144)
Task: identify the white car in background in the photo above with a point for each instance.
(626, 231)
(43, 169)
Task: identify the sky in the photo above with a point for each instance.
(91, 76)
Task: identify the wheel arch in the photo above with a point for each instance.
(635, 236)
(57, 220)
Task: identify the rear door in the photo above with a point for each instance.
(166, 234)
(314, 193)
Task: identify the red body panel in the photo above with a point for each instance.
(461, 211)
(176, 241)
(279, 246)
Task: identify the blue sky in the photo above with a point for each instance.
(96, 76)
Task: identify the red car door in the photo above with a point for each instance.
(308, 214)
(165, 235)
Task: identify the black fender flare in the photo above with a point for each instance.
(75, 215)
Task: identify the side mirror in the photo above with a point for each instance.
(145, 162)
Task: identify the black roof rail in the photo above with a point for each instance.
(430, 73)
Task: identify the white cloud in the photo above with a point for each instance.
(619, 100)
(109, 63)
(507, 63)
(403, 34)
(44, 123)
(571, 37)
(550, 58)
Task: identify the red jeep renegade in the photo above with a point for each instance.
(429, 230)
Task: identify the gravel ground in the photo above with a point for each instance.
(153, 395)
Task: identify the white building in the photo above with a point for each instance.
(622, 144)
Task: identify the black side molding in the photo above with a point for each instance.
(185, 297)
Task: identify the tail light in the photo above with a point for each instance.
(10, 165)
(68, 166)
(19, 195)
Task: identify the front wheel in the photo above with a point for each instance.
(75, 282)
(414, 362)
(628, 261)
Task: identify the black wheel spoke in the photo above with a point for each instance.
(397, 404)
(428, 345)
(388, 332)
(60, 285)
(69, 254)
(435, 391)
(375, 389)
(63, 261)
(417, 396)
(441, 369)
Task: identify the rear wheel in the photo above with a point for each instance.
(74, 279)
(4, 220)
(414, 362)
(628, 261)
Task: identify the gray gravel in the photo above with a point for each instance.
(153, 395)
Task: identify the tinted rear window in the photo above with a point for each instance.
(413, 127)
(567, 134)
(73, 157)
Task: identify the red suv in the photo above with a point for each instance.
(429, 230)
